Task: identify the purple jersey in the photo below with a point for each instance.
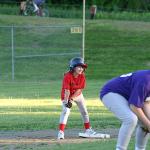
(39, 2)
(135, 87)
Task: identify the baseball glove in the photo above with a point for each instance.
(69, 104)
(145, 129)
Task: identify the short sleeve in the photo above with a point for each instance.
(138, 95)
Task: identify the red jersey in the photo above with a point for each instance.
(72, 83)
(93, 10)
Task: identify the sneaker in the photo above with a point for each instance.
(60, 135)
(90, 131)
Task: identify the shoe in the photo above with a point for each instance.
(60, 135)
(90, 132)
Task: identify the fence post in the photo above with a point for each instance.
(12, 51)
(83, 31)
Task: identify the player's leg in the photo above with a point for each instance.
(89, 132)
(142, 136)
(120, 107)
(22, 7)
(83, 110)
(36, 8)
(63, 121)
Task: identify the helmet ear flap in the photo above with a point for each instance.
(71, 68)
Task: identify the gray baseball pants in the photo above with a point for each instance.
(79, 100)
(119, 106)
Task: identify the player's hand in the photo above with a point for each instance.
(145, 129)
(65, 102)
(149, 129)
(68, 103)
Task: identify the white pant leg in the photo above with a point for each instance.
(64, 114)
(82, 108)
(142, 136)
(120, 107)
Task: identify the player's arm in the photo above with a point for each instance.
(146, 109)
(66, 94)
(141, 115)
(66, 100)
(76, 93)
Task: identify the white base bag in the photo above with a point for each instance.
(96, 135)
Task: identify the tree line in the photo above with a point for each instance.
(109, 4)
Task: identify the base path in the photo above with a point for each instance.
(47, 136)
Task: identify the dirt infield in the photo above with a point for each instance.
(13, 138)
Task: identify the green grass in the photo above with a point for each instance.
(112, 47)
(40, 103)
(37, 106)
(39, 90)
(32, 102)
(31, 20)
(36, 40)
(98, 145)
(116, 47)
(42, 114)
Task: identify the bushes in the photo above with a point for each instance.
(135, 5)
(75, 11)
(9, 9)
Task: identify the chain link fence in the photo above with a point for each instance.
(37, 52)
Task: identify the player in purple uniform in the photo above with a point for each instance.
(128, 97)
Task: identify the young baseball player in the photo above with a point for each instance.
(128, 97)
(72, 86)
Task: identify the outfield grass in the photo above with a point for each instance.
(40, 103)
(31, 20)
(116, 47)
(98, 145)
(112, 47)
(40, 114)
(48, 90)
(32, 102)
